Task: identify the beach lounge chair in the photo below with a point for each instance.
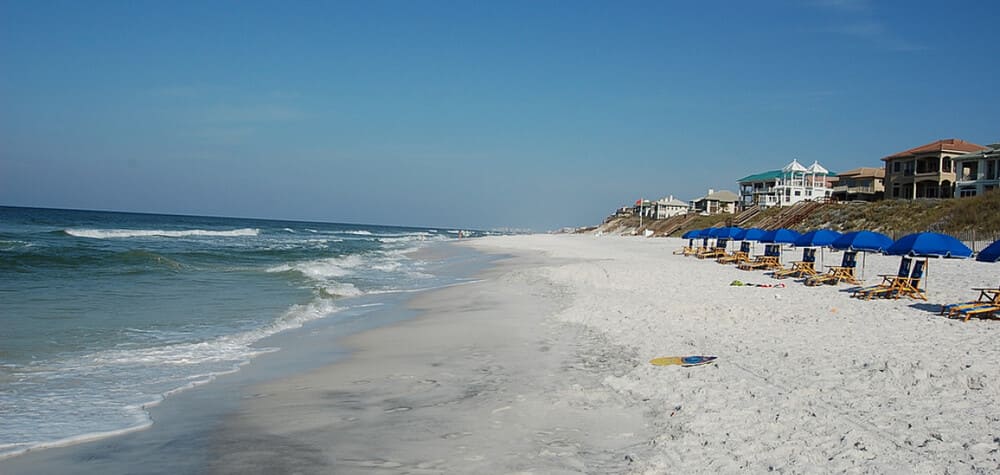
(804, 268)
(718, 251)
(891, 283)
(769, 260)
(687, 250)
(738, 257)
(910, 287)
(988, 304)
(836, 274)
(698, 250)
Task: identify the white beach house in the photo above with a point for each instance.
(785, 187)
(715, 202)
(977, 172)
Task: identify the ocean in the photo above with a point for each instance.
(103, 314)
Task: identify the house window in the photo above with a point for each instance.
(895, 166)
(895, 191)
(798, 193)
(964, 192)
(946, 166)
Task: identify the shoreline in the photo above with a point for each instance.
(182, 413)
(540, 366)
(481, 381)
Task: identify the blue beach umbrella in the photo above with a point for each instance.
(929, 245)
(817, 238)
(868, 241)
(782, 235)
(990, 254)
(694, 233)
(728, 232)
(752, 234)
(862, 241)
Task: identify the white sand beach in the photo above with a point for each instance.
(542, 367)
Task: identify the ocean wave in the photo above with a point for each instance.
(337, 289)
(127, 371)
(323, 269)
(359, 233)
(131, 233)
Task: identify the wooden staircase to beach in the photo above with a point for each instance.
(676, 223)
(745, 216)
(792, 215)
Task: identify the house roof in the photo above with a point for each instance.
(721, 195)
(672, 202)
(771, 175)
(795, 166)
(817, 168)
(989, 152)
(865, 172)
(943, 145)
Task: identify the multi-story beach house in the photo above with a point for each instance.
(785, 187)
(860, 184)
(669, 206)
(926, 171)
(715, 202)
(659, 209)
(977, 172)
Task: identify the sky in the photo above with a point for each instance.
(503, 114)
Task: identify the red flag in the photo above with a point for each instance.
(638, 202)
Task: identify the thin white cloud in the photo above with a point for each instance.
(229, 114)
(845, 5)
(856, 19)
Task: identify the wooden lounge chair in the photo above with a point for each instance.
(687, 250)
(988, 304)
(718, 251)
(738, 257)
(891, 283)
(910, 286)
(771, 259)
(804, 268)
(836, 274)
(984, 311)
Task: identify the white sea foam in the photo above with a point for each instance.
(129, 369)
(336, 289)
(322, 269)
(359, 233)
(130, 233)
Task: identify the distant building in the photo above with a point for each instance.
(926, 171)
(785, 187)
(668, 207)
(977, 172)
(864, 184)
(715, 202)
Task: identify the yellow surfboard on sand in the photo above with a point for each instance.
(694, 360)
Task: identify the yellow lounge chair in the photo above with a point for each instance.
(771, 259)
(738, 257)
(836, 274)
(804, 268)
(890, 284)
(987, 304)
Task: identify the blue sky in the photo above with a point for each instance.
(534, 114)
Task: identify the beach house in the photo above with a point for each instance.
(860, 184)
(926, 171)
(668, 207)
(977, 172)
(785, 187)
(715, 202)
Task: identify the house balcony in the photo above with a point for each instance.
(854, 189)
